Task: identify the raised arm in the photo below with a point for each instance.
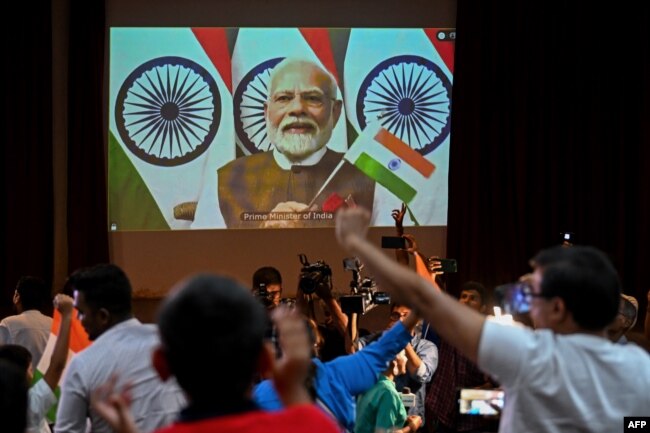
(401, 255)
(452, 320)
(64, 305)
(290, 371)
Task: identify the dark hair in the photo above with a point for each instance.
(104, 286)
(17, 355)
(266, 275)
(13, 398)
(585, 279)
(394, 305)
(477, 287)
(213, 321)
(33, 292)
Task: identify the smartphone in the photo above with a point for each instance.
(480, 401)
(351, 264)
(447, 266)
(513, 298)
(568, 237)
(393, 242)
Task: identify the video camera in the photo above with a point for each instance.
(314, 275)
(262, 295)
(364, 295)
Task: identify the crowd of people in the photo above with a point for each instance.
(224, 357)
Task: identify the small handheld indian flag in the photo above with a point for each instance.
(390, 162)
(78, 342)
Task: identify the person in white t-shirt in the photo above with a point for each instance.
(565, 376)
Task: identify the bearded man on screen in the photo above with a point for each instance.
(284, 187)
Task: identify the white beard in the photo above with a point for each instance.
(297, 147)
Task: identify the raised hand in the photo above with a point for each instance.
(291, 370)
(398, 216)
(64, 304)
(351, 223)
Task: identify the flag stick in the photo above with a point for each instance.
(327, 181)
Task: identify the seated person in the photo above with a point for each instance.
(381, 407)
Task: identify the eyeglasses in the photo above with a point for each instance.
(515, 298)
(311, 99)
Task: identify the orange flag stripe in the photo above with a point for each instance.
(403, 151)
(78, 337)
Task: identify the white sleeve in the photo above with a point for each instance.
(41, 399)
(73, 404)
(504, 350)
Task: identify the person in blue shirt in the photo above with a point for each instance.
(336, 383)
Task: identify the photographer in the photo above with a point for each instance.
(267, 286)
(316, 280)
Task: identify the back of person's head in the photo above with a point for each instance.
(266, 275)
(585, 279)
(13, 398)
(33, 293)
(104, 286)
(213, 322)
(629, 308)
(478, 288)
(17, 355)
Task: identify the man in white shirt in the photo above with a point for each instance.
(122, 346)
(29, 328)
(563, 377)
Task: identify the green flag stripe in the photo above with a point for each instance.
(51, 414)
(130, 203)
(385, 177)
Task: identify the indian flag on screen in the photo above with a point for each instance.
(397, 78)
(390, 162)
(170, 123)
(78, 342)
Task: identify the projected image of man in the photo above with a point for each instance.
(291, 185)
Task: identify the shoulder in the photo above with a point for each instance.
(422, 344)
(311, 419)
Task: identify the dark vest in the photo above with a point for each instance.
(253, 185)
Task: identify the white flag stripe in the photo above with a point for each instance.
(367, 144)
(44, 363)
(368, 48)
(130, 48)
